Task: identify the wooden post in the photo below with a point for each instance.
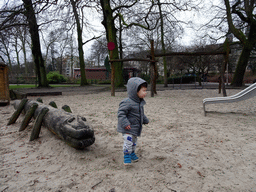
(152, 68)
(112, 75)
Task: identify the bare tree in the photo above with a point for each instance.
(244, 31)
(99, 51)
(36, 48)
(237, 17)
(22, 33)
(63, 45)
(109, 16)
(80, 42)
(168, 20)
(17, 48)
(49, 42)
(5, 45)
(75, 16)
(13, 16)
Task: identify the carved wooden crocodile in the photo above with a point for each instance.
(73, 129)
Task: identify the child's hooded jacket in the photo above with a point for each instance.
(131, 110)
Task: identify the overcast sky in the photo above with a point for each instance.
(194, 20)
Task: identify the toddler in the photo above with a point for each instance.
(131, 117)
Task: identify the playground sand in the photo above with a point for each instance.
(180, 150)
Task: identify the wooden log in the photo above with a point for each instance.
(16, 114)
(28, 116)
(38, 123)
(53, 104)
(39, 100)
(66, 108)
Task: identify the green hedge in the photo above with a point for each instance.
(54, 77)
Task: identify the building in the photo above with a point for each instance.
(101, 73)
(93, 73)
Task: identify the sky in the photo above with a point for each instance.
(196, 19)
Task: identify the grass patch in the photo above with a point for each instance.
(21, 86)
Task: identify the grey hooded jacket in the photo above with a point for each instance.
(131, 110)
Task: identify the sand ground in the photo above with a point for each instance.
(179, 150)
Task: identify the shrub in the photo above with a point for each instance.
(55, 77)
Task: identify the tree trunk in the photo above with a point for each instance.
(241, 65)
(120, 42)
(247, 42)
(224, 67)
(80, 45)
(25, 57)
(72, 59)
(108, 23)
(36, 48)
(23, 42)
(163, 45)
(17, 54)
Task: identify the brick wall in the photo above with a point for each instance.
(100, 74)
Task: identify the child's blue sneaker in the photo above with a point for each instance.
(134, 157)
(127, 159)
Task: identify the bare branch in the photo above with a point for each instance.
(9, 18)
(124, 6)
(234, 10)
(137, 24)
(233, 29)
(92, 39)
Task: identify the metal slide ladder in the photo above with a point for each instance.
(247, 93)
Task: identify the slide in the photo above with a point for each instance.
(247, 93)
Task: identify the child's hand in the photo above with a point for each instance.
(128, 127)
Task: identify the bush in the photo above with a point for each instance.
(55, 77)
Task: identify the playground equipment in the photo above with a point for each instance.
(245, 94)
(72, 129)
